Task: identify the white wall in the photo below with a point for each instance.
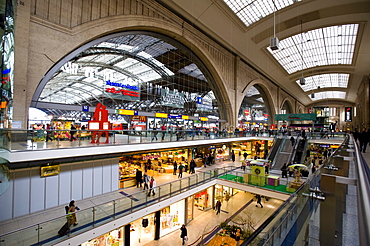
(29, 193)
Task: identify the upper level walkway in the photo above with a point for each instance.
(95, 211)
(29, 145)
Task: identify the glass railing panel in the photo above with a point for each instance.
(122, 207)
(193, 180)
(165, 191)
(144, 198)
(26, 236)
(184, 184)
(101, 214)
(49, 230)
(175, 187)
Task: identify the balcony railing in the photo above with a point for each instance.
(46, 232)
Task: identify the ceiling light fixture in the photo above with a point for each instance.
(274, 42)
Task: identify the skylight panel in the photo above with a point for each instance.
(329, 95)
(325, 81)
(324, 46)
(251, 11)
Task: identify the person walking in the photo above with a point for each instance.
(284, 171)
(155, 132)
(174, 168)
(192, 166)
(153, 185)
(233, 156)
(363, 137)
(181, 167)
(292, 140)
(245, 155)
(184, 234)
(163, 128)
(72, 132)
(139, 178)
(146, 180)
(48, 132)
(218, 207)
(258, 197)
(71, 213)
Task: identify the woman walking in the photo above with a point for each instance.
(184, 234)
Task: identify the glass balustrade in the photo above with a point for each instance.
(46, 232)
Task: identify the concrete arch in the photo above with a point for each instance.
(266, 95)
(286, 101)
(51, 58)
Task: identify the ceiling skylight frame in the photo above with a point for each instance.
(332, 45)
(329, 95)
(327, 80)
(251, 11)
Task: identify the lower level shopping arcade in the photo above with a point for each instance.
(198, 212)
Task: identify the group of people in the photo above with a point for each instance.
(149, 182)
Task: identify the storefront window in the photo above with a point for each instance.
(190, 208)
(203, 200)
(113, 238)
(172, 217)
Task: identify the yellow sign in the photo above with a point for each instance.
(50, 170)
(161, 115)
(126, 112)
(185, 117)
(203, 118)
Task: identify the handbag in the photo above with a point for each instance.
(186, 238)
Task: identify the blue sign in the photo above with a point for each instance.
(175, 116)
(85, 108)
(136, 112)
(199, 100)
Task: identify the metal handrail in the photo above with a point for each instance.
(215, 173)
(363, 197)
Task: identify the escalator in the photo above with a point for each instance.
(299, 153)
(283, 154)
(275, 148)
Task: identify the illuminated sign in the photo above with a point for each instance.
(174, 116)
(185, 117)
(50, 170)
(348, 114)
(203, 118)
(161, 115)
(204, 104)
(173, 98)
(126, 112)
(281, 117)
(127, 86)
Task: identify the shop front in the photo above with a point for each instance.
(153, 163)
(144, 230)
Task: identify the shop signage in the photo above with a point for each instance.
(138, 118)
(204, 104)
(161, 115)
(348, 114)
(6, 94)
(127, 86)
(172, 99)
(50, 170)
(290, 117)
(185, 117)
(85, 108)
(175, 116)
(203, 118)
(126, 112)
(147, 157)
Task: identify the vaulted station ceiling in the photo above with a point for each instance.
(324, 41)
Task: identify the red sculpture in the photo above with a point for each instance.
(99, 124)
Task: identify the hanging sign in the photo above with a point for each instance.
(348, 114)
(290, 117)
(172, 99)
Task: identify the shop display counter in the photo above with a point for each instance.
(127, 182)
(273, 180)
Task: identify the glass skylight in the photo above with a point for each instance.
(328, 94)
(324, 46)
(325, 81)
(250, 11)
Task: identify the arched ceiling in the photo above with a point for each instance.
(324, 41)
